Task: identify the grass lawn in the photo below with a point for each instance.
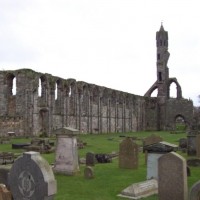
(109, 179)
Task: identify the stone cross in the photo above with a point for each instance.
(31, 177)
(172, 177)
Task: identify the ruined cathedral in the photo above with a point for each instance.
(43, 103)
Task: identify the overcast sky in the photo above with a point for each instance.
(109, 43)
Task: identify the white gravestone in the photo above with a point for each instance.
(66, 161)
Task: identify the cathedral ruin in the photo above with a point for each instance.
(43, 103)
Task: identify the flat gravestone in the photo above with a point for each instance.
(140, 190)
(172, 177)
(32, 178)
(89, 172)
(90, 159)
(198, 145)
(128, 154)
(195, 192)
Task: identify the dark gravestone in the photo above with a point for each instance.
(193, 162)
(90, 159)
(31, 178)
(103, 158)
(4, 171)
(198, 145)
(128, 154)
(88, 172)
(183, 143)
(195, 192)
(172, 177)
(191, 145)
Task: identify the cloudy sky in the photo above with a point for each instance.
(109, 43)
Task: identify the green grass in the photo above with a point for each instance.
(109, 179)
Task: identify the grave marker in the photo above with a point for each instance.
(66, 161)
(128, 154)
(195, 192)
(31, 178)
(90, 159)
(172, 177)
(88, 172)
(198, 145)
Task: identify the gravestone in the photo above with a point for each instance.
(66, 161)
(198, 145)
(5, 194)
(172, 177)
(155, 151)
(4, 171)
(140, 190)
(90, 159)
(152, 139)
(88, 172)
(31, 178)
(195, 192)
(191, 145)
(128, 154)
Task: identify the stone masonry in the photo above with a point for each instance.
(43, 103)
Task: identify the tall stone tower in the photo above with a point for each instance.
(162, 59)
(166, 109)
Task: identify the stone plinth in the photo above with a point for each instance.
(66, 161)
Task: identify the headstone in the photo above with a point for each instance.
(172, 177)
(31, 178)
(88, 172)
(152, 165)
(4, 171)
(90, 159)
(191, 145)
(140, 190)
(198, 145)
(195, 192)
(128, 154)
(66, 161)
(5, 194)
(152, 139)
(155, 151)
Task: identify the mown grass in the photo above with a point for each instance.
(109, 179)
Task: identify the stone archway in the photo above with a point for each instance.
(180, 123)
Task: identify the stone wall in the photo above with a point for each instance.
(43, 103)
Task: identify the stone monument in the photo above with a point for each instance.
(128, 154)
(66, 161)
(172, 177)
(31, 178)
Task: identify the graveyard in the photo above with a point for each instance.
(107, 178)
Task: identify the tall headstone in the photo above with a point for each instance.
(90, 159)
(172, 177)
(191, 145)
(128, 154)
(198, 145)
(195, 191)
(66, 161)
(31, 178)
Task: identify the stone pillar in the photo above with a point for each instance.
(66, 161)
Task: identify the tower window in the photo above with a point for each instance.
(160, 76)
(160, 42)
(158, 56)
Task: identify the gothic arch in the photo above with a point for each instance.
(178, 88)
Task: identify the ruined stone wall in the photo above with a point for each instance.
(43, 103)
